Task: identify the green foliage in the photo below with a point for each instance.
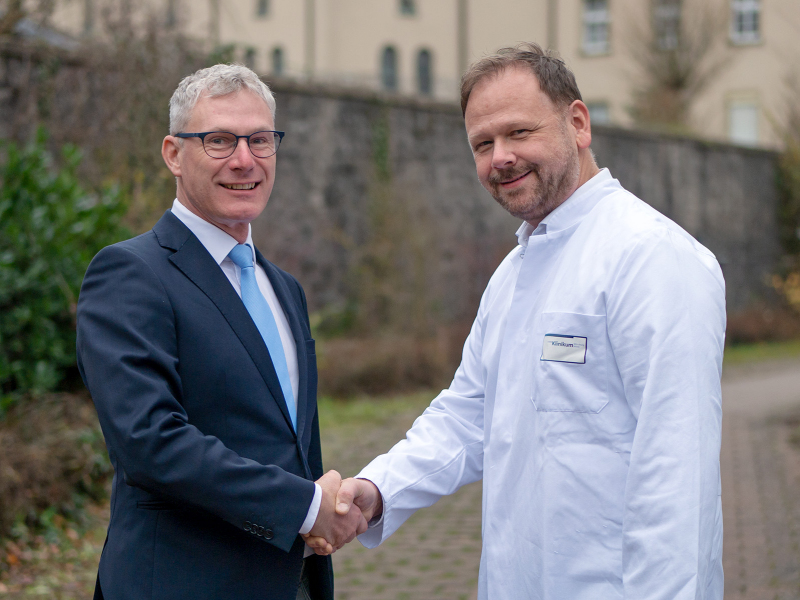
(50, 228)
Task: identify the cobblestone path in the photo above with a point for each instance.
(437, 552)
(761, 485)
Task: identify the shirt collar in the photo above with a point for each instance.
(569, 212)
(217, 242)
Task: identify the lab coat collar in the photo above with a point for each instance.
(571, 211)
(217, 242)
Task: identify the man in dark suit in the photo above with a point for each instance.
(198, 355)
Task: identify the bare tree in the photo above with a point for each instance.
(678, 52)
(109, 96)
(789, 178)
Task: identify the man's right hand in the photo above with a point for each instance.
(334, 527)
(368, 505)
(364, 494)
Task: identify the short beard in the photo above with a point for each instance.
(552, 189)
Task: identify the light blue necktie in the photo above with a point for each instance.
(262, 316)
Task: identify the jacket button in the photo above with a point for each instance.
(268, 534)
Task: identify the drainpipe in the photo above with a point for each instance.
(552, 24)
(311, 35)
(213, 23)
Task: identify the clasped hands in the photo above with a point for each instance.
(346, 509)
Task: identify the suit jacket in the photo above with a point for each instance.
(212, 484)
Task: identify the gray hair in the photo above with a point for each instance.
(219, 80)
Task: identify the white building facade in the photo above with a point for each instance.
(421, 47)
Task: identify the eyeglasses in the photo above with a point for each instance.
(222, 144)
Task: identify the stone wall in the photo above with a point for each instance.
(377, 203)
(725, 196)
(360, 174)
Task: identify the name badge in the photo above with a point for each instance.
(564, 348)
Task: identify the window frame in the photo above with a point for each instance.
(593, 20)
(740, 10)
(667, 16)
(601, 105)
(739, 103)
(277, 60)
(428, 54)
(388, 86)
(407, 8)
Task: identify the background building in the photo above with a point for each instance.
(721, 69)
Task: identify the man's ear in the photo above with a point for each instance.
(171, 152)
(579, 118)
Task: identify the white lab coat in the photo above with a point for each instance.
(600, 479)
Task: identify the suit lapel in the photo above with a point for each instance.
(290, 308)
(196, 263)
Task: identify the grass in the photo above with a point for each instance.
(765, 351)
(370, 410)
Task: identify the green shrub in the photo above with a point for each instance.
(50, 228)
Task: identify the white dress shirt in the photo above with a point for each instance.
(219, 244)
(588, 399)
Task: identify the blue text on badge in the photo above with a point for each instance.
(564, 348)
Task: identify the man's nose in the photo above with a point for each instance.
(503, 155)
(241, 158)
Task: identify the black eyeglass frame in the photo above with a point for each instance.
(203, 135)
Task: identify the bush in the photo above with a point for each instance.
(54, 459)
(50, 228)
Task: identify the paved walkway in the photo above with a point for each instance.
(436, 554)
(761, 483)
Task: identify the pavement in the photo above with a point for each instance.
(761, 482)
(437, 552)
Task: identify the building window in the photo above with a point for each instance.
(262, 8)
(277, 61)
(599, 113)
(743, 122)
(408, 8)
(596, 21)
(667, 23)
(425, 73)
(250, 58)
(745, 21)
(389, 69)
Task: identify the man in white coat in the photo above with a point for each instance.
(588, 397)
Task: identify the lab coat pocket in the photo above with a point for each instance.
(569, 363)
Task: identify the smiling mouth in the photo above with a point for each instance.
(239, 186)
(525, 174)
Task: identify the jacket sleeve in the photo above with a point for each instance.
(666, 324)
(128, 358)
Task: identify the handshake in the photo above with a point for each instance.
(346, 509)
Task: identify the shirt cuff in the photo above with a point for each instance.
(313, 511)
